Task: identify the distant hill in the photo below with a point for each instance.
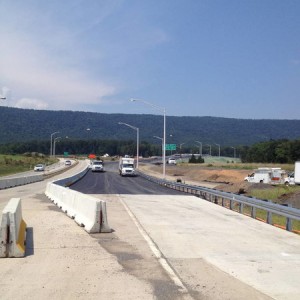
(19, 125)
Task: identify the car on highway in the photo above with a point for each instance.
(68, 163)
(171, 161)
(97, 166)
(39, 167)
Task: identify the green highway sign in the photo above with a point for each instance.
(66, 153)
(170, 146)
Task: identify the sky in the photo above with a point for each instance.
(229, 58)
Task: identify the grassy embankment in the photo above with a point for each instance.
(12, 164)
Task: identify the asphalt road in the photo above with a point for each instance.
(110, 182)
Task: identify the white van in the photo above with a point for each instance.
(267, 175)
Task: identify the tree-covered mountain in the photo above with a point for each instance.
(19, 125)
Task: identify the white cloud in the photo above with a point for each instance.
(64, 59)
(33, 72)
(31, 103)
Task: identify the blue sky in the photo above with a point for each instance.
(233, 59)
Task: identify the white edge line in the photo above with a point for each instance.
(155, 250)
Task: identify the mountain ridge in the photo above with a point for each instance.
(21, 125)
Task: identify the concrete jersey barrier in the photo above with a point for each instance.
(13, 230)
(22, 180)
(87, 211)
(16, 181)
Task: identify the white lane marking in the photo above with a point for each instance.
(155, 250)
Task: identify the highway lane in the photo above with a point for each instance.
(193, 235)
(110, 182)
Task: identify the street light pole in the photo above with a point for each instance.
(219, 148)
(54, 144)
(163, 110)
(137, 141)
(200, 148)
(51, 151)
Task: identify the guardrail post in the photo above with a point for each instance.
(253, 212)
(241, 208)
(289, 222)
(216, 199)
(231, 201)
(223, 201)
(269, 217)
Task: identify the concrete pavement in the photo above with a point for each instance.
(64, 262)
(190, 230)
(208, 249)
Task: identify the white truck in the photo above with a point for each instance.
(267, 175)
(126, 166)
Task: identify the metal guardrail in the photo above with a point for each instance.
(215, 196)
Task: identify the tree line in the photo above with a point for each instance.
(280, 151)
(273, 151)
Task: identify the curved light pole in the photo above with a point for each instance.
(52, 134)
(200, 147)
(219, 148)
(163, 110)
(54, 144)
(137, 141)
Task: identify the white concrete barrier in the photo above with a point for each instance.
(16, 181)
(4, 236)
(87, 211)
(103, 217)
(13, 230)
